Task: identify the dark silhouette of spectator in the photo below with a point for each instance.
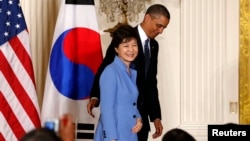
(66, 131)
(177, 134)
(41, 134)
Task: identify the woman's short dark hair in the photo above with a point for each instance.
(124, 32)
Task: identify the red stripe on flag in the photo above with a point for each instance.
(19, 91)
(23, 56)
(11, 118)
(1, 136)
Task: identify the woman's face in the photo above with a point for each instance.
(127, 51)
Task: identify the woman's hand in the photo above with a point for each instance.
(137, 126)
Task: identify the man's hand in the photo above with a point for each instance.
(158, 128)
(92, 103)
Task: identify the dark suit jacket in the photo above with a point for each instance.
(148, 102)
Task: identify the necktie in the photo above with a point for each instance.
(146, 55)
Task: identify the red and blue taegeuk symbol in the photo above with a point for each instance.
(75, 58)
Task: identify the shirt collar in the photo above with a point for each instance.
(142, 34)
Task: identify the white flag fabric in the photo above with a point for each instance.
(74, 59)
(19, 110)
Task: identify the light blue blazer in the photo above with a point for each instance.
(118, 103)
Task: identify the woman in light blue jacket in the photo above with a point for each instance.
(120, 119)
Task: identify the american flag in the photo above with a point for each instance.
(19, 110)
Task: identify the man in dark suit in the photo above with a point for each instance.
(155, 20)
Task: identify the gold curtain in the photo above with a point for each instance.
(244, 89)
(40, 16)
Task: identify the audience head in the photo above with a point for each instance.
(177, 134)
(41, 134)
(65, 133)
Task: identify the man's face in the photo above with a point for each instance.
(155, 25)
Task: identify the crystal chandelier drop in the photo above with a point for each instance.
(122, 11)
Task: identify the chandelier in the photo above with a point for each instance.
(122, 11)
